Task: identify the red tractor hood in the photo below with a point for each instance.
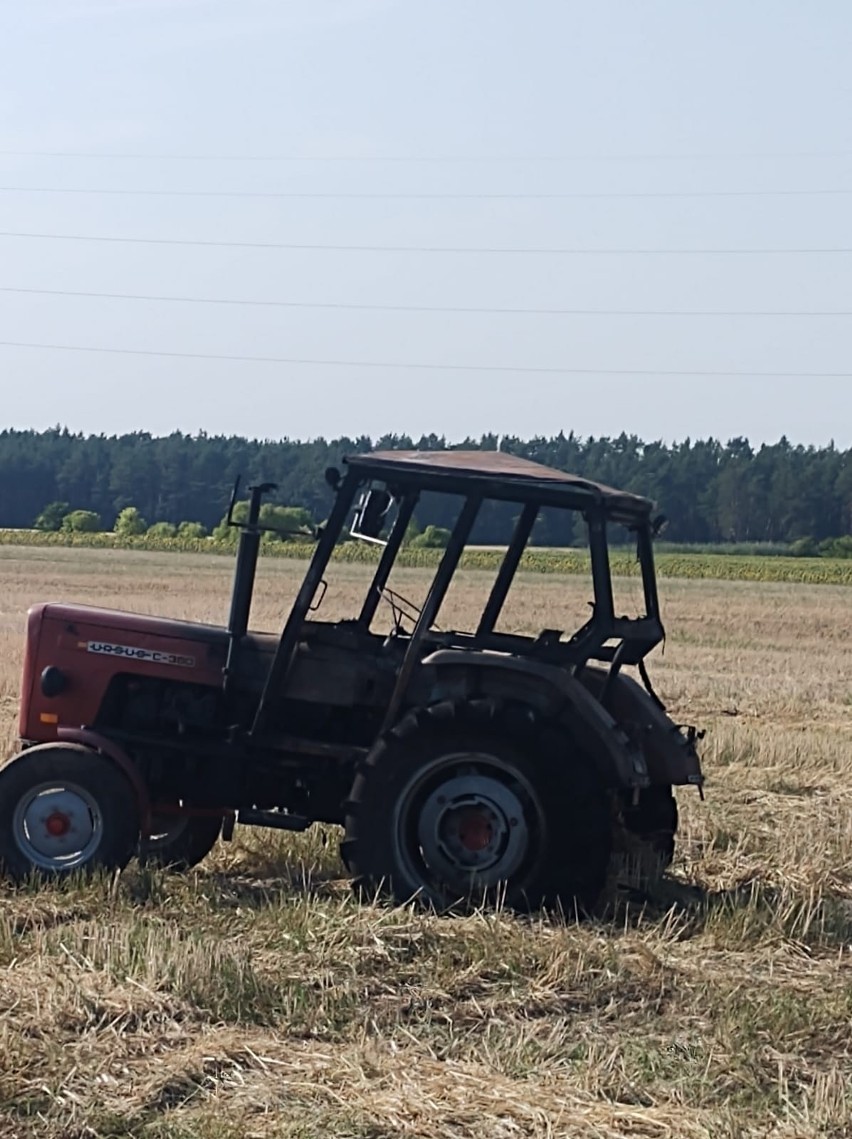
(116, 619)
(89, 646)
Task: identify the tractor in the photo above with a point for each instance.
(481, 764)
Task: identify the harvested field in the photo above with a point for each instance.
(256, 998)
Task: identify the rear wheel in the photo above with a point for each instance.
(65, 808)
(179, 842)
(646, 842)
(475, 803)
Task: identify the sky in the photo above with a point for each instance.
(620, 169)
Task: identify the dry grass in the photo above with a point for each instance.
(256, 998)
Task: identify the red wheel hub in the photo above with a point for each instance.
(57, 824)
(475, 830)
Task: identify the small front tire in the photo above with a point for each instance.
(64, 809)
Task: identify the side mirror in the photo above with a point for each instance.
(370, 514)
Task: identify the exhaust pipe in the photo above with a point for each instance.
(244, 572)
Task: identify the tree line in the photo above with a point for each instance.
(711, 492)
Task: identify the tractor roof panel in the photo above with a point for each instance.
(498, 475)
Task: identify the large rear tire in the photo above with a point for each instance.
(478, 803)
(64, 809)
(654, 821)
(645, 843)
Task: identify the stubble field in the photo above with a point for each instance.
(255, 998)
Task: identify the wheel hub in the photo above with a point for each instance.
(475, 829)
(57, 824)
(57, 828)
(472, 830)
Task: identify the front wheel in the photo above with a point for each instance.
(65, 808)
(476, 804)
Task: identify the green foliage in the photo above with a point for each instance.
(432, 538)
(740, 549)
(837, 547)
(161, 530)
(192, 530)
(412, 531)
(804, 548)
(225, 534)
(51, 517)
(282, 521)
(285, 519)
(81, 522)
(228, 534)
(130, 522)
(712, 492)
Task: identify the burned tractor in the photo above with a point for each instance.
(479, 764)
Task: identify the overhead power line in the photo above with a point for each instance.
(579, 195)
(514, 369)
(337, 248)
(475, 309)
(414, 159)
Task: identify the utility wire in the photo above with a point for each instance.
(463, 159)
(310, 246)
(393, 196)
(475, 309)
(505, 368)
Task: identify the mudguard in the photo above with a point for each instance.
(670, 750)
(93, 741)
(451, 674)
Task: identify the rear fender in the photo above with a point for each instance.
(670, 752)
(453, 674)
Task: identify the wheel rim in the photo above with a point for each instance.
(57, 827)
(468, 823)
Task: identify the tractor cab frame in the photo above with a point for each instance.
(376, 481)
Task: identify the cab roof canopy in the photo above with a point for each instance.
(494, 474)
